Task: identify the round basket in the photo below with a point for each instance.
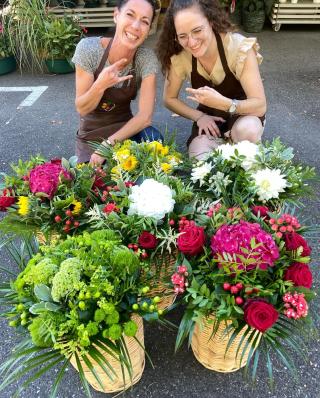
(253, 22)
(118, 383)
(211, 352)
(43, 240)
(162, 268)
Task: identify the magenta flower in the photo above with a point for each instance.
(45, 178)
(236, 239)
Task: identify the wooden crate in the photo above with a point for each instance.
(305, 12)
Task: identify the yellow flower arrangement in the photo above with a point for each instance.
(23, 204)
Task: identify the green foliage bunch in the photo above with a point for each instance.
(253, 5)
(5, 48)
(87, 292)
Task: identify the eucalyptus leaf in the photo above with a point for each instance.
(43, 292)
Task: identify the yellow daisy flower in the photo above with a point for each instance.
(166, 167)
(130, 163)
(76, 207)
(23, 203)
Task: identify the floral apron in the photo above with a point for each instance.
(230, 87)
(111, 114)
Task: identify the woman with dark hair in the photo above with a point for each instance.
(197, 43)
(109, 73)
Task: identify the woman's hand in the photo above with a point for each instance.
(207, 124)
(207, 96)
(96, 160)
(109, 76)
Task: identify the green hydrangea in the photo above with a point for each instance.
(66, 280)
(115, 332)
(41, 273)
(107, 307)
(92, 328)
(112, 318)
(99, 315)
(44, 326)
(124, 261)
(130, 328)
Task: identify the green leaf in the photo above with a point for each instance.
(42, 292)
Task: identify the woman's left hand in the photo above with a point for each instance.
(206, 96)
(96, 160)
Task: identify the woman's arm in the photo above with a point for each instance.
(206, 123)
(89, 92)
(254, 105)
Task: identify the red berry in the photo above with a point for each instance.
(130, 246)
(57, 219)
(144, 255)
(68, 222)
(135, 247)
(76, 224)
(68, 213)
(239, 300)
(249, 291)
(109, 188)
(234, 290)
(239, 286)
(171, 222)
(255, 290)
(66, 229)
(226, 286)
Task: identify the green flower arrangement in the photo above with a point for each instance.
(75, 301)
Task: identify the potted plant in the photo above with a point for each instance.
(247, 287)
(60, 39)
(253, 15)
(79, 301)
(7, 60)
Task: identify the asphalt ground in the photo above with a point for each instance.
(291, 73)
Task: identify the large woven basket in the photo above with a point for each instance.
(137, 357)
(162, 268)
(43, 240)
(210, 350)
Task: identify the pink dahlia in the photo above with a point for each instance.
(235, 240)
(45, 178)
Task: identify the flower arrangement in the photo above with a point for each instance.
(250, 274)
(51, 196)
(75, 301)
(130, 160)
(246, 173)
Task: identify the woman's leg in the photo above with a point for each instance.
(201, 145)
(150, 133)
(247, 128)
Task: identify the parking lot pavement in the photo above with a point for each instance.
(292, 81)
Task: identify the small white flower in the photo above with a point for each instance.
(227, 150)
(200, 172)
(151, 199)
(270, 182)
(249, 150)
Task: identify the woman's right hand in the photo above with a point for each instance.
(207, 124)
(109, 76)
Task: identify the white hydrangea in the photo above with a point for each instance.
(249, 150)
(270, 182)
(200, 172)
(151, 199)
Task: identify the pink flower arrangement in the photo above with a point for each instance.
(236, 240)
(295, 305)
(45, 178)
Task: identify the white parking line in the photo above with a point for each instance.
(36, 92)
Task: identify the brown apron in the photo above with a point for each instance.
(230, 87)
(112, 112)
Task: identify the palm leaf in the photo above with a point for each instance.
(59, 378)
(82, 376)
(92, 370)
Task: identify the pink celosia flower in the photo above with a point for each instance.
(231, 239)
(45, 178)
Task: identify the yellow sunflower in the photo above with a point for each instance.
(155, 146)
(23, 204)
(130, 163)
(166, 167)
(122, 154)
(76, 207)
(165, 150)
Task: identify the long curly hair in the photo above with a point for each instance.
(167, 44)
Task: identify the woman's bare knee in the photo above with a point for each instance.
(201, 145)
(247, 128)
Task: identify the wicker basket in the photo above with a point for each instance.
(253, 22)
(211, 352)
(44, 241)
(162, 269)
(137, 357)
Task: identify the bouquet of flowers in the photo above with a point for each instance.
(78, 301)
(130, 160)
(246, 173)
(51, 196)
(245, 275)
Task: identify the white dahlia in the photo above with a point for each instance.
(227, 150)
(270, 182)
(249, 150)
(200, 172)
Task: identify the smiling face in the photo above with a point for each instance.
(133, 22)
(193, 30)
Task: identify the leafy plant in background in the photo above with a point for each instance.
(74, 301)
(5, 48)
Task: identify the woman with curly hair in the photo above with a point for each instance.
(197, 43)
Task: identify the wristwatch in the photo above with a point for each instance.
(233, 107)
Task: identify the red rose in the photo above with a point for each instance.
(262, 210)
(110, 207)
(6, 200)
(299, 274)
(147, 240)
(191, 240)
(260, 314)
(293, 241)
